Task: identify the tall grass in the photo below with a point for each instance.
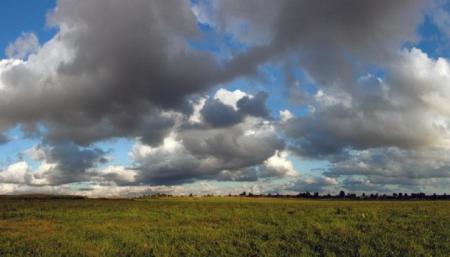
(223, 227)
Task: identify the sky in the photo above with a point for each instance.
(112, 98)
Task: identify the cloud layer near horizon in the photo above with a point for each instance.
(378, 113)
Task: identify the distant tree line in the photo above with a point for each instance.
(353, 196)
(342, 195)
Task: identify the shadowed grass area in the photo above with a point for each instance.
(223, 227)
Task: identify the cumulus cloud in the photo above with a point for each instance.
(406, 109)
(97, 80)
(218, 114)
(15, 173)
(231, 107)
(69, 163)
(58, 165)
(255, 105)
(248, 150)
(325, 33)
(25, 45)
(230, 97)
(108, 78)
(285, 115)
(280, 165)
(210, 153)
(395, 163)
(378, 112)
(390, 134)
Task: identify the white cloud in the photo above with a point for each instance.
(280, 165)
(230, 97)
(15, 173)
(25, 45)
(285, 115)
(198, 105)
(5, 65)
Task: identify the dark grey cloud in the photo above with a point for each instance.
(213, 154)
(156, 129)
(110, 67)
(334, 38)
(4, 139)
(151, 127)
(69, 163)
(331, 131)
(60, 164)
(218, 114)
(255, 106)
(243, 145)
(248, 150)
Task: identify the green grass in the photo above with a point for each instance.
(223, 227)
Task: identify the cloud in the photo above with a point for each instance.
(280, 165)
(218, 114)
(440, 16)
(5, 65)
(390, 134)
(71, 163)
(4, 139)
(395, 185)
(59, 164)
(255, 106)
(319, 184)
(229, 108)
(230, 98)
(228, 153)
(15, 173)
(25, 45)
(247, 150)
(129, 69)
(97, 80)
(394, 163)
(334, 38)
(406, 109)
(117, 174)
(392, 169)
(285, 115)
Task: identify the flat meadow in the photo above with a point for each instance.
(223, 226)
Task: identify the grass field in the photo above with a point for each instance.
(223, 227)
